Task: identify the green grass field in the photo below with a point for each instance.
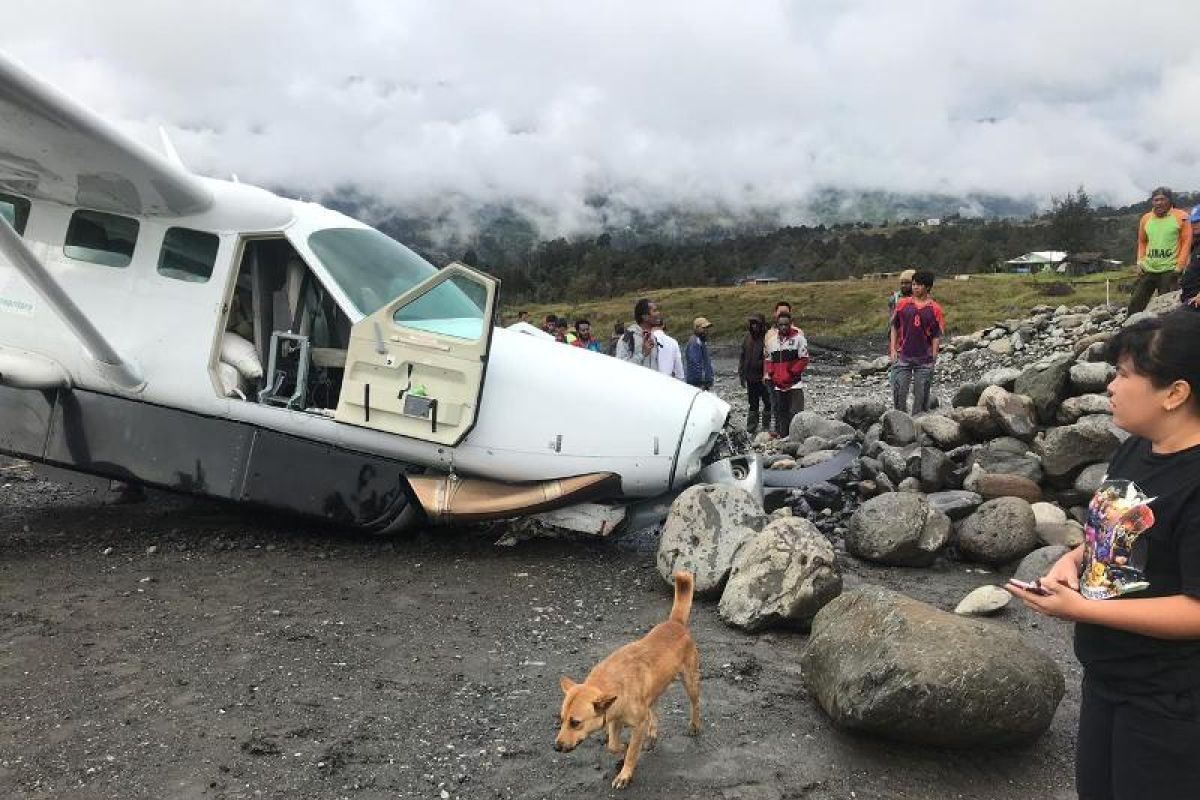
(844, 308)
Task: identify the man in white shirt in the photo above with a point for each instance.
(646, 344)
(670, 358)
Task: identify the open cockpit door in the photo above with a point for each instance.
(416, 366)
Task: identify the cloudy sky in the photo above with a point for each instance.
(747, 104)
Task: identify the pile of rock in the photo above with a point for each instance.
(1011, 344)
(767, 570)
(1013, 463)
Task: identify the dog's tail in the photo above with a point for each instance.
(682, 606)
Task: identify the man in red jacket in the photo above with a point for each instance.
(786, 358)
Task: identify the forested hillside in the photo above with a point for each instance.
(688, 248)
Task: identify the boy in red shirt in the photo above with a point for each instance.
(917, 327)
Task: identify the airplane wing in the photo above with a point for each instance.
(53, 148)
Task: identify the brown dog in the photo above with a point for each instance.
(621, 690)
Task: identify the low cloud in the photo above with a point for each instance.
(704, 104)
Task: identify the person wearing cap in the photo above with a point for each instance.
(1190, 283)
(698, 368)
(1164, 248)
(750, 373)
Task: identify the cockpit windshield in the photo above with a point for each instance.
(370, 267)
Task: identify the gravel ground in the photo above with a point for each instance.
(188, 649)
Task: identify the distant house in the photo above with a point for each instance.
(1036, 261)
(754, 281)
(1087, 264)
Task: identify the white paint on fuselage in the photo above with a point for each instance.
(548, 410)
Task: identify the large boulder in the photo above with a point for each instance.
(976, 423)
(1005, 377)
(782, 575)
(1045, 383)
(1088, 481)
(704, 528)
(809, 423)
(884, 664)
(1088, 441)
(936, 469)
(898, 428)
(1091, 377)
(1001, 460)
(862, 414)
(1074, 409)
(941, 430)
(898, 528)
(1000, 531)
(1013, 413)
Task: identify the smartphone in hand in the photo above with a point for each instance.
(1030, 586)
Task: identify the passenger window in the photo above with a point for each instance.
(188, 255)
(100, 238)
(15, 210)
(452, 308)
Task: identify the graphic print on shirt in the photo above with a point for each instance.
(1112, 566)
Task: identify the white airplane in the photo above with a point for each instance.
(210, 337)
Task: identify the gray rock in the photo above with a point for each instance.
(863, 413)
(894, 462)
(1091, 377)
(1000, 531)
(909, 485)
(1039, 562)
(704, 528)
(1163, 303)
(898, 528)
(941, 430)
(1066, 534)
(872, 437)
(809, 423)
(782, 575)
(824, 495)
(976, 423)
(1000, 347)
(1045, 383)
(1134, 319)
(1007, 444)
(1005, 377)
(983, 601)
(887, 665)
(998, 461)
(870, 467)
(955, 504)
(1013, 413)
(884, 483)
(936, 468)
(1088, 441)
(1074, 409)
(898, 428)
(1047, 515)
(1088, 481)
(967, 394)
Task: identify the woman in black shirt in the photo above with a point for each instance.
(1133, 587)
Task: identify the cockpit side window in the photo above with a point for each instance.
(188, 255)
(15, 210)
(99, 238)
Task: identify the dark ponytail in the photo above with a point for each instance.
(1164, 349)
